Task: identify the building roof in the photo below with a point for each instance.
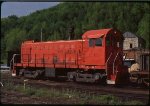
(129, 35)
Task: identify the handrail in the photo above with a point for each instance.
(13, 60)
(124, 57)
(107, 61)
(114, 63)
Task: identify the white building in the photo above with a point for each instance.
(132, 41)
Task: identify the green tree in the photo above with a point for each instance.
(144, 27)
(83, 16)
(14, 39)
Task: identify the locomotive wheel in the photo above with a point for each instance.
(38, 74)
(96, 76)
(103, 80)
(74, 78)
(139, 81)
(146, 82)
(21, 72)
(99, 79)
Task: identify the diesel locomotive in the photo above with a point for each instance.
(97, 57)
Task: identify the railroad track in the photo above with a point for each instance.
(100, 90)
(126, 93)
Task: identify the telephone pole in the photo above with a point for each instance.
(41, 34)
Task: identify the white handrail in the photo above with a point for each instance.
(13, 60)
(1, 84)
(107, 61)
(114, 63)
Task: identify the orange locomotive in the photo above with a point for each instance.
(97, 57)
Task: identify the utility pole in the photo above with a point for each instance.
(41, 34)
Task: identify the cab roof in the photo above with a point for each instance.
(99, 33)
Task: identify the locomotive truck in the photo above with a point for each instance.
(97, 57)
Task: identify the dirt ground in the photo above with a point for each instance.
(13, 97)
(16, 97)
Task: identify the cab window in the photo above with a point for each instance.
(98, 42)
(91, 42)
(95, 42)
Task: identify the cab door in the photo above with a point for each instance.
(94, 54)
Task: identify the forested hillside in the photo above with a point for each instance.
(80, 16)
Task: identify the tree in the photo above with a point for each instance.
(143, 28)
(8, 23)
(14, 39)
(83, 16)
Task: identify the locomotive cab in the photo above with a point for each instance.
(104, 52)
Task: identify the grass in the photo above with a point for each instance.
(71, 95)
